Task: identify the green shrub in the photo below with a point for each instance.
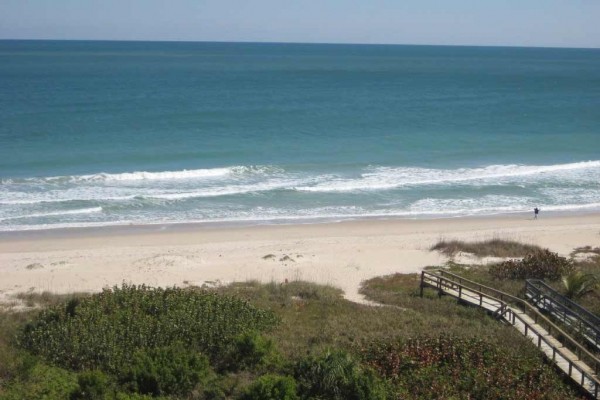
(136, 396)
(577, 284)
(14, 362)
(539, 265)
(271, 387)
(93, 385)
(103, 331)
(251, 350)
(42, 382)
(337, 376)
(165, 371)
(462, 368)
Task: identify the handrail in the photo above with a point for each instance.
(591, 318)
(439, 279)
(528, 307)
(589, 324)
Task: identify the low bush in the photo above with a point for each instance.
(251, 350)
(467, 368)
(104, 331)
(338, 376)
(539, 265)
(271, 387)
(171, 370)
(42, 382)
(92, 385)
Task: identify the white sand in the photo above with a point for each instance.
(338, 254)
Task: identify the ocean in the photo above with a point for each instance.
(110, 133)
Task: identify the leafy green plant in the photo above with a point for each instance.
(42, 382)
(105, 330)
(451, 367)
(577, 284)
(539, 265)
(251, 350)
(338, 376)
(271, 387)
(165, 371)
(92, 385)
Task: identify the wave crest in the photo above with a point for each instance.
(90, 210)
(150, 176)
(385, 178)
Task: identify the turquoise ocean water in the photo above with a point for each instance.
(103, 133)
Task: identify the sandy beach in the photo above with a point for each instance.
(340, 254)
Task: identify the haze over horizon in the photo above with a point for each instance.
(533, 23)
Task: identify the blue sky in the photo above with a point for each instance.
(560, 23)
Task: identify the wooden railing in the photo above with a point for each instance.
(544, 333)
(564, 310)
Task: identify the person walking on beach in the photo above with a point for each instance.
(536, 211)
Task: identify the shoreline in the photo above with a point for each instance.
(154, 227)
(341, 254)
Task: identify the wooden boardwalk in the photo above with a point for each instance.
(564, 310)
(567, 354)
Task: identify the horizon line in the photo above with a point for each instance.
(295, 42)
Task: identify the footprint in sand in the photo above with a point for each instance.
(159, 261)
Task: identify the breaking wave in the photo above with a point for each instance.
(148, 176)
(385, 178)
(272, 193)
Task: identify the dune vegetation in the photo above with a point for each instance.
(273, 341)
(485, 248)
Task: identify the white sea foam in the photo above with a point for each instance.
(226, 190)
(243, 180)
(90, 210)
(146, 176)
(423, 192)
(78, 193)
(385, 178)
(149, 176)
(318, 214)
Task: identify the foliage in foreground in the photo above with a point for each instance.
(106, 330)
(271, 387)
(313, 318)
(250, 351)
(467, 368)
(338, 376)
(41, 382)
(165, 371)
(540, 265)
(577, 284)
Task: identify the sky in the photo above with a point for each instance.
(555, 23)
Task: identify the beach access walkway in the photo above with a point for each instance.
(563, 309)
(565, 352)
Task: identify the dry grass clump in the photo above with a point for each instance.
(486, 248)
(584, 250)
(47, 299)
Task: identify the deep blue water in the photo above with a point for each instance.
(118, 132)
